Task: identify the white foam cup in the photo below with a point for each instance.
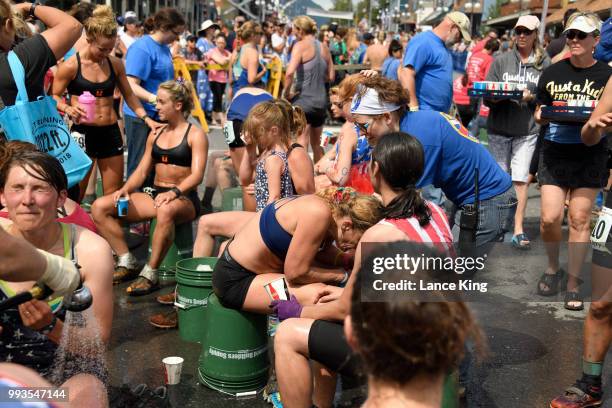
(172, 369)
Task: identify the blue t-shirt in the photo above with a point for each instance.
(151, 62)
(451, 155)
(433, 65)
(389, 68)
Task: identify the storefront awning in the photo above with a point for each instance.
(506, 20)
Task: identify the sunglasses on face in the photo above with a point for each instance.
(522, 31)
(338, 105)
(363, 127)
(571, 34)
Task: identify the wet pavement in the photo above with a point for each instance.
(534, 348)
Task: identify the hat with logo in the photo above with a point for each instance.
(463, 22)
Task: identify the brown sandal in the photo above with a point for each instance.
(123, 274)
(142, 286)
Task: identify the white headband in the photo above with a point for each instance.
(370, 104)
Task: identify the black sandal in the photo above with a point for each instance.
(573, 297)
(552, 283)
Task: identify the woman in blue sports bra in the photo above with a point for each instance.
(249, 70)
(284, 239)
(179, 153)
(94, 70)
(33, 185)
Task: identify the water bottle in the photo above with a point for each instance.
(88, 102)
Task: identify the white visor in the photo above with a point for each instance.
(369, 103)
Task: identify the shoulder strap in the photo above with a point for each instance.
(110, 66)
(19, 76)
(187, 132)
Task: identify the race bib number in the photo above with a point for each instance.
(228, 132)
(601, 231)
(79, 138)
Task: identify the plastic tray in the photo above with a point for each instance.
(566, 113)
(489, 94)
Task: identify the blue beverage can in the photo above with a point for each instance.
(122, 207)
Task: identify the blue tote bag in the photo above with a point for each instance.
(39, 122)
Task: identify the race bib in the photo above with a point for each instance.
(79, 138)
(601, 231)
(228, 132)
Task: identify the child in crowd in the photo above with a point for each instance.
(267, 127)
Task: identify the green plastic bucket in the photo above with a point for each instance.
(234, 357)
(232, 199)
(181, 248)
(194, 284)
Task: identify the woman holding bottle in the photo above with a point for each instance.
(95, 72)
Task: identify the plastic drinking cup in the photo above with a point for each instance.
(172, 369)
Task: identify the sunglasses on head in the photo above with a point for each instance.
(571, 34)
(522, 31)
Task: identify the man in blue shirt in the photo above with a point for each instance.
(428, 65)
(148, 63)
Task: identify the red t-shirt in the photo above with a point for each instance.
(460, 92)
(477, 67)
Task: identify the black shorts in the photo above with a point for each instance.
(573, 165)
(231, 281)
(191, 196)
(101, 142)
(237, 125)
(327, 345)
(316, 118)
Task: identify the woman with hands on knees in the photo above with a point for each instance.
(178, 152)
(94, 70)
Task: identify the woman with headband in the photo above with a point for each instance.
(454, 160)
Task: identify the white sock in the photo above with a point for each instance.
(127, 261)
(149, 273)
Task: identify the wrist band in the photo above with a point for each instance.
(153, 100)
(414, 108)
(33, 9)
(143, 117)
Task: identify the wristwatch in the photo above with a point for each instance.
(33, 9)
(49, 328)
(176, 191)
